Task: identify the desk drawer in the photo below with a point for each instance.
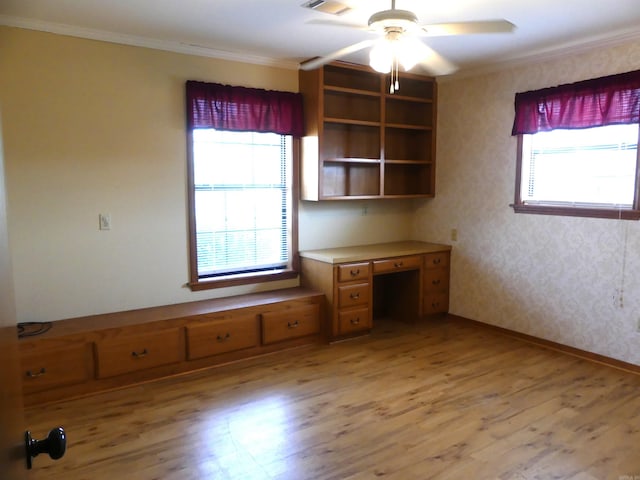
(353, 271)
(136, 352)
(221, 336)
(397, 264)
(354, 320)
(436, 260)
(292, 323)
(353, 295)
(436, 280)
(55, 367)
(435, 303)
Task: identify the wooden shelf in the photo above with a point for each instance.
(367, 143)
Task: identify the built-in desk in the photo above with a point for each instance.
(403, 280)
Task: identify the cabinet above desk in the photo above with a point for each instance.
(405, 280)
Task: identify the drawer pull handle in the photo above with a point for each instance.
(436, 261)
(42, 372)
(355, 273)
(354, 296)
(222, 339)
(293, 325)
(435, 304)
(436, 282)
(141, 354)
(355, 321)
(398, 264)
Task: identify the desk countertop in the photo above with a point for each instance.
(359, 253)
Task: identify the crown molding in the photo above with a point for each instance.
(548, 53)
(534, 56)
(145, 42)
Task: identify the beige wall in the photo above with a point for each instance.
(558, 278)
(93, 127)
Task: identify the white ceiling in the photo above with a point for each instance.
(278, 32)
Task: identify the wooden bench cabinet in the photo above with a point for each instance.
(86, 355)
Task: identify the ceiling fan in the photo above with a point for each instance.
(399, 43)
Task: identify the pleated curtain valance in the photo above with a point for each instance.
(610, 100)
(225, 107)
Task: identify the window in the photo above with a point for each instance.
(578, 149)
(241, 186)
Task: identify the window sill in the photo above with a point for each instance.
(244, 279)
(626, 214)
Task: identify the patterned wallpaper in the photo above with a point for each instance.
(575, 281)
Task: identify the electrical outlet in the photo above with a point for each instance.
(104, 220)
(454, 234)
(365, 209)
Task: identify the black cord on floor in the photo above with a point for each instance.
(31, 329)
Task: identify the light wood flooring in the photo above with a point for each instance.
(436, 400)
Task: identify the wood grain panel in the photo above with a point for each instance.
(221, 336)
(440, 400)
(350, 272)
(292, 323)
(397, 264)
(54, 367)
(352, 295)
(116, 356)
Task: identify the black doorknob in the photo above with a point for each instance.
(55, 445)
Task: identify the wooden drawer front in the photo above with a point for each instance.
(133, 353)
(353, 271)
(435, 303)
(396, 264)
(215, 337)
(352, 295)
(436, 260)
(354, 320)
(436, 280)
(55, 367)
(292, 323)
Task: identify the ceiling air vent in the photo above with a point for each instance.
(327, 6)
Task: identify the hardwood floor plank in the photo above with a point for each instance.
(432, 400)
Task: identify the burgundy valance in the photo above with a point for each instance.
(224, 107)
(614, 99)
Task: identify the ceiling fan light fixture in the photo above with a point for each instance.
(381, 56)
(395, 49)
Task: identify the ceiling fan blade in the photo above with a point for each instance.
(436, 64)
(467, 28)
(318, 62)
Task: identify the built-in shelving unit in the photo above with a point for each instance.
(363, 142)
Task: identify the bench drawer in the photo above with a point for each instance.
(221, 336)
(137, 352)
(49, 368)
(292, 323)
